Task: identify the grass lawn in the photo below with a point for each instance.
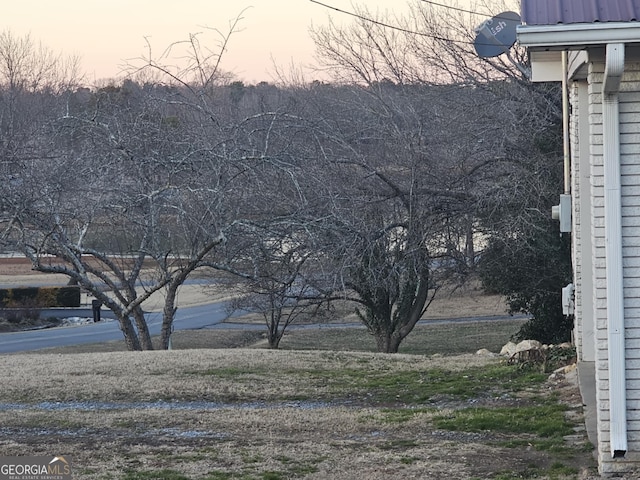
(325, 406)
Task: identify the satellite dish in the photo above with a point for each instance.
(496, 35)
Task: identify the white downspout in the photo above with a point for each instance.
(566, 141)
(613, 246)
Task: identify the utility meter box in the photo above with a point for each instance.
(568, 300)
(562, 212)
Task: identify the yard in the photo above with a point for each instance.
(220, 406)
(251, 413)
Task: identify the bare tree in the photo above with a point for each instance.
(124, 207)
(383, 207)
(146, 201)
(275, 269)
(499, 153)
(433, 43)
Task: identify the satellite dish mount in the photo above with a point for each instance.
(496, 35)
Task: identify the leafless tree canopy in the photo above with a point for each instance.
(376, 188)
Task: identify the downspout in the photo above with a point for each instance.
(565, 124)
(614, 68)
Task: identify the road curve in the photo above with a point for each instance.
(202, 316)
(215, 315)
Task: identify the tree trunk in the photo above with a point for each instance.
(168, 315)
(388, 342)
(130, 335)
(273, 337)
(394, 344)
(143, 329)
(274, 341)
(470, 251)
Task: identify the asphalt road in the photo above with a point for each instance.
(205, 316)
(188, 318)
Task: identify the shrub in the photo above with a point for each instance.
(42, 297)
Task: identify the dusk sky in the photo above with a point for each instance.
(107, 34)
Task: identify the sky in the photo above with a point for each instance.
(107, 35)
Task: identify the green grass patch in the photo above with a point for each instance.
(250, 457)
(419, 387)
(542, 420)
(300, 467)
(561, 470)
(551, 445)
(545, 424)
(389, 385)
(409, 460)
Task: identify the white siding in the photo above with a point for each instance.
(630, 172)
(584, 334)
(577, 221)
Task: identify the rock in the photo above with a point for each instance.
(527, 345)
(566, 369)
(508, 350)
(483, 352)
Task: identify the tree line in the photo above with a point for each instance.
(376, 190)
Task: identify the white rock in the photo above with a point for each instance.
(484, 353)
(526, 345)
(509, 349)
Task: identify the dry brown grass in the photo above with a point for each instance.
(271, 414)
(178, 375)
(254, 414)
(336, 443)
(465, 301)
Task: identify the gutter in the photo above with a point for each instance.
(614, 68)
(577, 35)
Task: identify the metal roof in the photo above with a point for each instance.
(552, 12)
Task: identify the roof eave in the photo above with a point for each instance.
(577, 35)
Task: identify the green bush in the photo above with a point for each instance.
(530, 270)
(40, 297)
(68, 296)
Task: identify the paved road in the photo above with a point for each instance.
(204, 316)
(188, 318)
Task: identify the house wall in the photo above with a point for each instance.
(576, 219)
(584, 331)
(630, 196)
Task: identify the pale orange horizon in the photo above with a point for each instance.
(273, 34)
